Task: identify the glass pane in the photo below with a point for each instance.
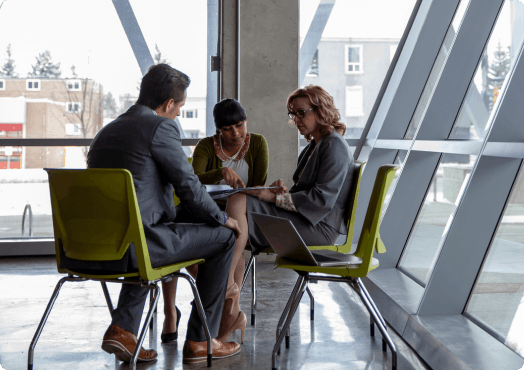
(27, 184)
(353, 56)
(472, 121)
(96, 57)
(438, 66)
(352, 22)
(399, 161)
(497, 301)
(436, 215)
(166, 47)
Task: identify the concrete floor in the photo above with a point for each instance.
(337, 339)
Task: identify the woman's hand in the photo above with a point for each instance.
(281, 187)
(263, 194)
(232, 179)
(232, 224)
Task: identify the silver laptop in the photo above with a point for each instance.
(287, 243)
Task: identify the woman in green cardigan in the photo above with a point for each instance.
(231, 157)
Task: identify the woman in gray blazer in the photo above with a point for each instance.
(317, 203)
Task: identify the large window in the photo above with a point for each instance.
(64, 86)
(348, 43)
(497, 301)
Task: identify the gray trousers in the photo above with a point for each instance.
(215, 245)
(320, 234)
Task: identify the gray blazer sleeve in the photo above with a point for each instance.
(322, 179)
(167, 152)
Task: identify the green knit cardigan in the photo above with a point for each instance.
(208, 167)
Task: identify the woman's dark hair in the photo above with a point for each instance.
(228, 112)
(161, 83)
(324, 107)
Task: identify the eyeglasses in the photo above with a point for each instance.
(298, 113)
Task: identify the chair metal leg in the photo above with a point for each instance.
(254, 290)
(365, 291)
(247, 270)
(381, 327)
(108, 297)
(203, 319)
(312, 303)
(153, 302)
(289, 318)
(151, 298)
(44, 318)
(289, 303)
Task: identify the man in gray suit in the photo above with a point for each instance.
(146, 141)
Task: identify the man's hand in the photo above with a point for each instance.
(281, 187)
(263, 194)
(232, 224)
(231, 178)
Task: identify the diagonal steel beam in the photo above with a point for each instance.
(134, 34)
(310, 44)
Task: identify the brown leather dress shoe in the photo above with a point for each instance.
(197, 351)
(123, 343)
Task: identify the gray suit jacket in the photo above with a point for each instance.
(150, 147)
(323, 184)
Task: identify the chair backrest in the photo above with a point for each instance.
(369, 240)
(96, 215)
(177, 199)
(353, 202)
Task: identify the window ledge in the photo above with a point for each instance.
(443, 341)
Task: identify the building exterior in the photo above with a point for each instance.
(47, 108)
(193, 117)
(352, 71)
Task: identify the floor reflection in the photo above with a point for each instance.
(338, 338)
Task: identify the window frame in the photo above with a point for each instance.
(33, 81)
(73, 111)
(73, 81)
(354, 88)
(2, 81)
(360, 63)
(76, 126)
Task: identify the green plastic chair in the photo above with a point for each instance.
(95, 218)
(368, 242)
(345, 248)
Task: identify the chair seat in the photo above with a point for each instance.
(344, 271)
(161, 271)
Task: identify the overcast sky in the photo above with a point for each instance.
(88, 34)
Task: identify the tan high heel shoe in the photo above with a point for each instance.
(232, 318)
(239, 323)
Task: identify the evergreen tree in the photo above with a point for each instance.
(497, 71)
(158, 58)
(45, 67)
(499, 67)
(8, 69)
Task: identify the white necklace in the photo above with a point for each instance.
(234, 155)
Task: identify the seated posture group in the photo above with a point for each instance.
(146, 141)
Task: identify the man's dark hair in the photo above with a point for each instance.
(228, 112)
(161, 83)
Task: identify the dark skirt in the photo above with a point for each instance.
(320, 234)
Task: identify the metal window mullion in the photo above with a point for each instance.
(459, 70)
(394, 115)
(405, 204)
(467, 240)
